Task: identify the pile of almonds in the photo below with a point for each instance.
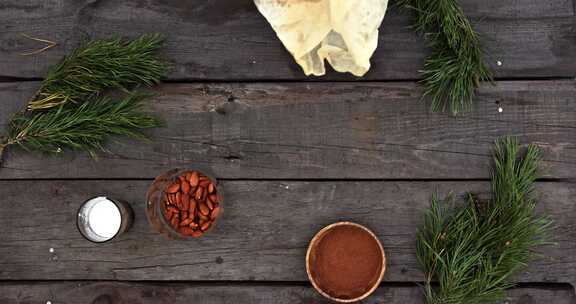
(191, 203)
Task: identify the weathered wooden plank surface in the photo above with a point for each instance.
(180, 293)
(322, 130)
(226, 39)
(262, 235)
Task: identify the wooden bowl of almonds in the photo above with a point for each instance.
(184, 203)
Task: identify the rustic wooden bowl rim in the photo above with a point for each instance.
(313, 244)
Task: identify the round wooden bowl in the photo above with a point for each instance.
(312, 246)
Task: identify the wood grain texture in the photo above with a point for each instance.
(321, 130)
(230, 40)
(262, 235)
(181, 293)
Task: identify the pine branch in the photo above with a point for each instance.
(455, 66)
(473, 250)
(83, 127)
(99, 65)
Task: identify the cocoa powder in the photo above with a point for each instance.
(346, 262)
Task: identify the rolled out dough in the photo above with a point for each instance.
(344, 32)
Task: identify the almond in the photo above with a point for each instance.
(185, 230)
(199, 193)
(185, 186)
(185, 202)
(173, 188)
(209, 204)
(175, 220)
(194, 179)
(204, 183)
(203, 217)
(172, 210)
(214, 198)
(205, 226)
(179, 197)
(193, 205)
(203, 208)
(211, 188)
(215, 212)
(186, 222)
(197, 233)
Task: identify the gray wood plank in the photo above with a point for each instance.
(321, 130)
(174, 293)
(225, 39)
(263, 234)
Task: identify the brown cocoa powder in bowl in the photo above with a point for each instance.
(346, 262)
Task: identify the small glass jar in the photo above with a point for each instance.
(101, 219)
(155, 198)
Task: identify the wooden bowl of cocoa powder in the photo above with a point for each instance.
(345, 262)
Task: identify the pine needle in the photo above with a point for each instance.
(100, 65)
(83, 127)
(49, 44)
(455, 67)
(473, 250)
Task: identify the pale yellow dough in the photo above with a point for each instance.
(344, 32)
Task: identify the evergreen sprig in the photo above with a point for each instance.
(455, 67)
(82, 127)
(99, 65)
(473, 250)
(70, 110)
